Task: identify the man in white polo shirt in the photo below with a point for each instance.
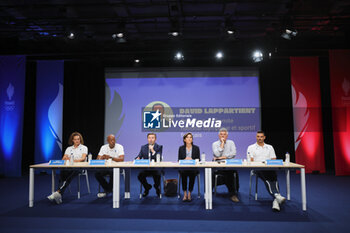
(260, 152)
(112, 151)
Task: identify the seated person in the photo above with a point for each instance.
(149, 151)
(188, 151)
(112, 151)
(226, 149)
(78, 151)
(260, 151)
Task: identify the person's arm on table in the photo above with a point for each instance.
(118, 159)
(217, 150)
(140, 155)
(83, 157)
(232, 150)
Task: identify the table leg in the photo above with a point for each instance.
(208, 189)
(210, 193)
(116, 187)
(288, 183)
(303, 188)
(53, 178)
(31, 187)
(127, 183)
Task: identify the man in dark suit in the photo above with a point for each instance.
(150, 151)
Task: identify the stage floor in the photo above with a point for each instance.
(327, 202)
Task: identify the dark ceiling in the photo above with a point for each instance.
(40, 28)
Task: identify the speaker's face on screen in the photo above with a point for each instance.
(151, 139)
(260, 137)
(158, 107)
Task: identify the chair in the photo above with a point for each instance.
(82, 173)
(216, 177)
(253, 173)
(198, 175)
(160, 186)
(122, 171)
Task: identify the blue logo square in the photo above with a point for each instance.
(151, 119)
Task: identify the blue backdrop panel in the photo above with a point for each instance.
(49, 108)
(12, 82)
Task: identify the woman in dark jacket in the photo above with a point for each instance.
(188, 151)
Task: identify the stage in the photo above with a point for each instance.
(326, 195)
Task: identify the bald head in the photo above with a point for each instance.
(111, 140)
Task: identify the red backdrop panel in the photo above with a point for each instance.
(308, 133)
(339, 62)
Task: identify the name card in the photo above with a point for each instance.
(234, 162)
(187, 162)
(97, 162)
(274, 162)
(57, 162)
(141, 162)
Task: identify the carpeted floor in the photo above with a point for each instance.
(327, 200)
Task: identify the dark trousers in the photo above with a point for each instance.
(229, 178)
(156, 177)
(270, 180)
(191, 175)
(66, 177)
(101, 178)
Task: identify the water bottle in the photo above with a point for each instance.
(158, 158)
(89, 157)
(287, 159)
(71, 160)
(249, 159)
(203, 157)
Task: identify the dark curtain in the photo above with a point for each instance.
(326, 114)
(276, 104)
(28, 145)
(83, 103)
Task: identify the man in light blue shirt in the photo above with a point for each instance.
(223, 148)
(226, 149)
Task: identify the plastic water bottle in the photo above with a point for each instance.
(287, 159)
(71, 160)
(249, 159)
(89, 157)
(203, 157)
(158, 158)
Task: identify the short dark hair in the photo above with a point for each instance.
(152, 134)
(260, 131)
